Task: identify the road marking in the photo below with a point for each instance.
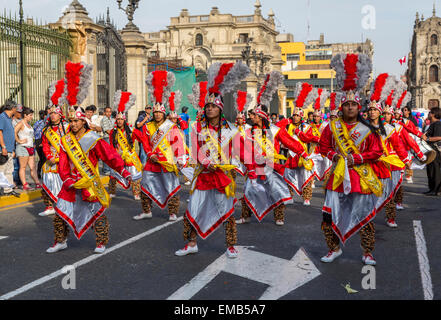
(21, 205)
(282, 276)
(1, 238)
(84, 261)
(426, 279)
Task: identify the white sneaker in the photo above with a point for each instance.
(137, 198)
(232, 253)
(409, 180)
(143, 216)
(173, 217)
(112, 196)
(369, 260)
(392, 224)
(313, 186)
(243, 221)
(188, 183)
(187, 250)
(47, 212)
(307, 203)
(400, 206)
(280, 223)
(188, 200)
(57, 247)
(331, 256)
(100, 249)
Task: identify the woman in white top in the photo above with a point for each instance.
(24, 137)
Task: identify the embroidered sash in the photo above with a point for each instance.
(307, 164)
(348, 143)
(90, 177)
(159, 141)
(129, 156)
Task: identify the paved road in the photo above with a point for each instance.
(146, 268)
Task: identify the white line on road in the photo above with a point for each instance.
(426, 279)
(84, 261)
(1, 238)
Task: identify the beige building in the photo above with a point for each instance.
(425, 62)
(201, 40)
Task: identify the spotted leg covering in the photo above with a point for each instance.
(112, 186)
(136, 188)
(61, 230)
(101, 228)
(291, 191)
(331, 238)
(399, 195)
(173, 205)
(146, 203)
(391, 210)
(246, 211)
(367, 235)
(189, 232)
(307, 191)
(279, 213)
(46, 199)
(230, 232)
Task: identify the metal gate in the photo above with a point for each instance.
(111, 64)
(31, 57)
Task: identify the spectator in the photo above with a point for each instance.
(107, 124)
(24, 136)
(185, 117)
(38, 131)
(433, 137)
(7, 144)
(407, 115)
(92, 119)
(310, 117)
(16, 119)
(274, 118)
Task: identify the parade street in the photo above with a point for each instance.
(273, 263)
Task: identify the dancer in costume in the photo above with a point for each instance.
(322, 165)
(54, 130)
(165, 149)
(83, 198)
(353, 144)
(122, 141)
(390, 167)
(266, 188)
(214, 140)
(299, 173)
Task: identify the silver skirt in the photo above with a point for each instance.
(269, 194)
(160, 186)
(298, 178)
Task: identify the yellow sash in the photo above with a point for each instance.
(90, 177)
(368, 179)
(307, 164)
(128, 155)
(390, 159)
(54, 140)
(165, 148)
(215, 148)
(267, 146)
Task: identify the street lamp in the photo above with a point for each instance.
(130, 11)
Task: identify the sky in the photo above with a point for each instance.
(339, 20)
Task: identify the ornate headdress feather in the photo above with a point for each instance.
(174, 102)
(304, 95)
(57, 96)
(199, 95)
(223, 78)
(78, 78)
(382, 91)
(122, 102)
(242, 101)
(334, 103)
(160, 84)
(352, 74)
(272, 82)
(322, 97)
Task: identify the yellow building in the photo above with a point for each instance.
(310, 62)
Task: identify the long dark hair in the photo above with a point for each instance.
(368, 124)
(49, 124)
(128, 132)
(219, 133)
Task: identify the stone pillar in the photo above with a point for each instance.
(137, 69)
(252, 89)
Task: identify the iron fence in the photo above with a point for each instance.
(31, 57)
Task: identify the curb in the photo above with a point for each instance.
(30, 196)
